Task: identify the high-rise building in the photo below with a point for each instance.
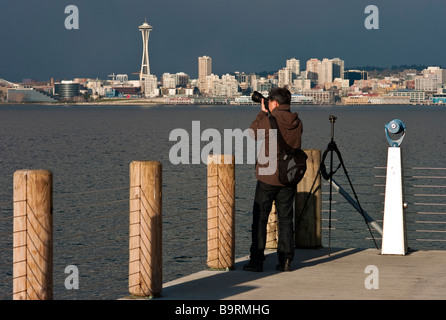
(325, 71)
(440, 73)
(285, 77)
(169, 80)
(427, 82)
(204, 70)
(294, 65)
(313, 68)
(182, 79)
(338, 68)
(330, 70)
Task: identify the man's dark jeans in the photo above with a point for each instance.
(263, 200)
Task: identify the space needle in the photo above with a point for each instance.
(145, 29)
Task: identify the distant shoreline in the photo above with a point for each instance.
(157, 102)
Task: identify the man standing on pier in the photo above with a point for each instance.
(269, 188)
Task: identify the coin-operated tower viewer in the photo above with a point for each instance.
(394, 239)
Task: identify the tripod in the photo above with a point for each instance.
(332, 148)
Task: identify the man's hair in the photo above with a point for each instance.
(281, 95)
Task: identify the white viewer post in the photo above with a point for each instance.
(394, 227)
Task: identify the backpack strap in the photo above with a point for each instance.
(282, 143)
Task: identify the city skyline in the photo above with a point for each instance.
(246, 37)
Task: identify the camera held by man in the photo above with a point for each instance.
(257, 97)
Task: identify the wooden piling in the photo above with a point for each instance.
(272, 230)
(33, 235)
(145, 243)
(308, 224)
(221, 211)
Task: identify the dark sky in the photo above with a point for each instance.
(239, 35)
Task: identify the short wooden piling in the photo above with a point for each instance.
(221, 211)
(33, 235)
(272, 230)
(308, 225)
(145, 243)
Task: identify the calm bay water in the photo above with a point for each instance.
(89, 149)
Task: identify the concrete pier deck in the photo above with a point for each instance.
(318, 275)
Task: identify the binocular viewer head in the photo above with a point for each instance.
(395, 127)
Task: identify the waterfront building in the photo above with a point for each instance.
(301, 99)
(355, 100)
(244, 100)
(320, 96)
(439, 98)
(383, 100)
(67, 89)
(414, 95)
(428, 82)
(126, 90)
(21, 94)
(374, 99)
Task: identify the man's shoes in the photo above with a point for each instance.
(284, 265)
(254, 267)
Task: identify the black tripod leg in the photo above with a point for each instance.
(330, 201)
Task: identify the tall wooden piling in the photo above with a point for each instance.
(221, 211)
(308, 224)
(145, 243)
(33, 235)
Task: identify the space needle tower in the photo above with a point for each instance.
(144, 76)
